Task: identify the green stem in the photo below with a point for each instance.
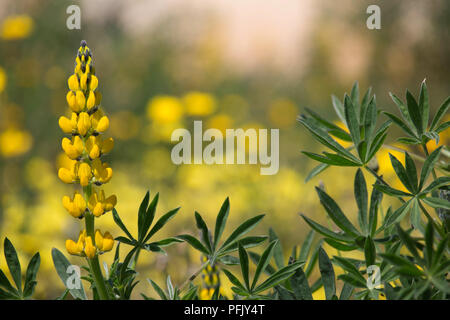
(193, 276)
(94, 263)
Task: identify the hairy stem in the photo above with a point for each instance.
(193, 276)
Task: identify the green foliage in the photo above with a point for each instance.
(7, 290)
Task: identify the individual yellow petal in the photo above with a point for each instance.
(67, 203)
(81, 99)
(72, 102)
(78, 144)
(89, 248)
(84, 174)
(65, 175)
(103, 124)
(69, 149)
(79, 203)
(72, 247)
(108, 241)
(99, 239)
(91, 100)
(84, 123)
(94, 83)
(73, 83)
(98, 209)
(83, 79)
(95, 152)
(65, 124)
(110, 202)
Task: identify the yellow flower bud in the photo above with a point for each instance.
(107, 145)
(103, 124)
(94, 83)
(91, 100)
(66, 175)
(81, 100)
(83, 81)
(84, 123)
(89, 248)
(84, 174)
(73, 83)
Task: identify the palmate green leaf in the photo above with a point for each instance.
(404, 266)
(437, 202)
(141, 214)
(398, 214)
(439, 114)
(338, 108)
(148, 219)
(329, 126)
(161, 223)
(346, 291)
(306, 246)
(403, 126)
(428, 166)
(233, 279)
(416, 218)
(30, 276)
(326, 232)
(300, 286)
(243, 258)
(327, 273)
(158, 289)
(13, 263)
(316, 170)
(370, 251)
(405, 114)
(4, 282)
(279, 276)
(263, 262)
(61, 264)
(229, 260)
(201, 224)
(414, 112)
(246, 242)
(221, 221)
(324, 138)
(340, 246)
(424, 105)
(241, 230)
(331, 159)
(350, 268)
(119, 222)
(377, 143)
(196, 244)
(351, 117)
(6, 295)
(375, 200)
(391, 191)
(352, 280)
(401, 172)
(361, 196)
(442, 127)
(278, 250)
(411, 172)
(336, 214)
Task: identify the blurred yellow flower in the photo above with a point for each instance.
(14, 142)
(220, 122)
(282, 113)
(199, 103)
(17, 27)
(2, 79)
(319, 294)
(164, 109)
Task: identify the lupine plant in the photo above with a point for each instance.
(405, 247)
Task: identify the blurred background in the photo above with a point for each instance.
(162, 65)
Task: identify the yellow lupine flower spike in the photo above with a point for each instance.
(85, 147)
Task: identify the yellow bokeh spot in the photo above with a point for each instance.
(17, 27)
(14, 142)
(283, 113)
(199, 103)
(164, 109)
(319, 294)
(3, 79)
(220, 122)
